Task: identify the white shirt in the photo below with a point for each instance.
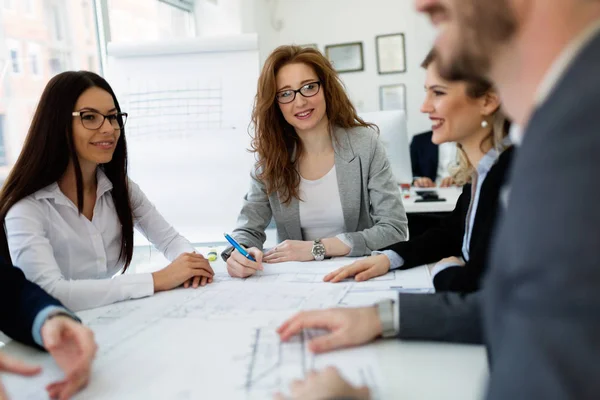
(321, 214)
(483, 168)
(73, 258)
(446, 158)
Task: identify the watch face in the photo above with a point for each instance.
(318, 251)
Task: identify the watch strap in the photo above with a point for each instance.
(385, 309)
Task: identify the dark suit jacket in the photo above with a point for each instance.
(20, 302)
(542, 296)
(441, 317)
(447, 240)
(424, 156)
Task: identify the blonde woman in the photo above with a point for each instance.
(467, 112)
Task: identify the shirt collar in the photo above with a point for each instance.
(563, 62)
(516, 134)
(53, 191)
(104, 184)
(489, 159)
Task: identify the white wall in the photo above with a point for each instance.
(222, 18)
(339, 21)
(326, 22)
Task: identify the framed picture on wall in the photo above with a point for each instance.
(346, 57)
(392, 97)
(391, 53)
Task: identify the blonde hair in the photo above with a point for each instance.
(476, 88)
(463, 171)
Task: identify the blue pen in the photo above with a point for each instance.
(238, 247)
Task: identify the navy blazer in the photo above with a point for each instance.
(20, 303)
(424, 156)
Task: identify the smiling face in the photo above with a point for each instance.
(455, 116)
(304, 113)
(470, 33)
(94, 146)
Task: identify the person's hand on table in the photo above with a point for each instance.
(184, 268)
(73, 348)
(12, 365)
(447, 182)
(362, 270)
(423, 182)
(198, 280)
(347, 327)
(239, 266)
(290, 250)
(459, 262)
(326, 384)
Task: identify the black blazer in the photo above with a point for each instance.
(20, 302)
(424, 156)
(446, 241)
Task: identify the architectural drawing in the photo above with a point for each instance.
(274, 365)
(164, 109)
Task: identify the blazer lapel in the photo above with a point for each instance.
(348, 171)
(291, 213)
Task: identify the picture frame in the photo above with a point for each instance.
(391, 53)
(346, 57)
(392, 97)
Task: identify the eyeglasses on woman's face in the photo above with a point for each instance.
(289, 95)
(94, 120)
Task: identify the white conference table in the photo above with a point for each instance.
(411, 370)
(450, 195)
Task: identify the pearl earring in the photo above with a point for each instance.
(484, 124)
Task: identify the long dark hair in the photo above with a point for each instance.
(49, 147)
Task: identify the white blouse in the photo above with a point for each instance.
(321, 214)
(74, 259)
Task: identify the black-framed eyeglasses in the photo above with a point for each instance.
(94, 120)
(308, 90)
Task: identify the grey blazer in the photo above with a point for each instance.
(541, 303)
(539, 309)
(371, 202)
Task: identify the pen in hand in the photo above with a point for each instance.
(238, 247)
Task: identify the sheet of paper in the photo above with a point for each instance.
(414, 278)
(165, 345)
(367, 298)
(314, 267)
(273, 365)
(220, 341)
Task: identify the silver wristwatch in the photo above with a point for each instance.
(318, 250)
(385, 309)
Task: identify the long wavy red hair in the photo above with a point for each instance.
(274, 139)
